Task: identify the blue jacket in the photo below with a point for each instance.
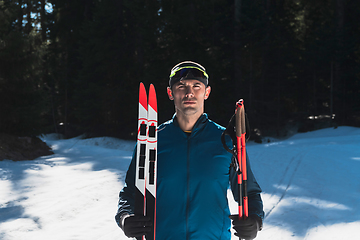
(194, 174)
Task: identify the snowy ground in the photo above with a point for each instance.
(311, 185)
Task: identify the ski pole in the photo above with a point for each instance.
(240, 129)
(236, 129)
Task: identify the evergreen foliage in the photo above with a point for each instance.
(75, 66)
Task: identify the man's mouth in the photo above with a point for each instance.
(189, 101)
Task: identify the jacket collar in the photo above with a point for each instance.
(200, 123)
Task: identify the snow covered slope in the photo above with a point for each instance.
(311, 185)
(310, 182)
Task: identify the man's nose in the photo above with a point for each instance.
(189, 91)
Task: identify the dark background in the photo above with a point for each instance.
(74, 66)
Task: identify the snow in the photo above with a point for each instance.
(310, 182)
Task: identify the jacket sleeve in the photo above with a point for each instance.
(254, 190)
(126, 195)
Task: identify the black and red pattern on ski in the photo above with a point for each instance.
(146, 157)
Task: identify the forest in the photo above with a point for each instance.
(74, 66)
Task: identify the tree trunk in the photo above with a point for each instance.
(21, 15)
(28, 25)
(339, 85)
(237, 49)
(42, 20)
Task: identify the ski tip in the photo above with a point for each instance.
(152, 97)
(142, 95)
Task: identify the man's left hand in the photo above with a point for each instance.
(246, 229)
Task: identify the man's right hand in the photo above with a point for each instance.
(136, 226)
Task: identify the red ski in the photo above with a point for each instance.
(146, 158)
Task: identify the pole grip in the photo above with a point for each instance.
(240, 118)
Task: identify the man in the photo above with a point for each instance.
(194, 172)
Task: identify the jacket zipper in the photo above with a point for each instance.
(188, 187)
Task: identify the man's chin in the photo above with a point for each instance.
(190, 111)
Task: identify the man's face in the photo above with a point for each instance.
(189, 96)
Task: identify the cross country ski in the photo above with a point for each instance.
(146, 158)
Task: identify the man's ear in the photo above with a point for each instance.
(207, 92)
(169, 92)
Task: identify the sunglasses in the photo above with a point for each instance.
(188, 72)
